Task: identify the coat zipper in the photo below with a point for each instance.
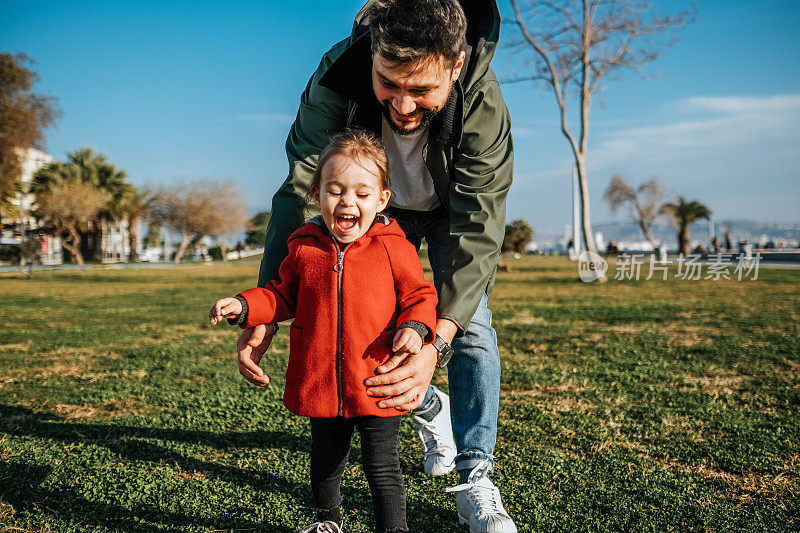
(339, 268)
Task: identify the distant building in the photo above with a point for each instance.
(23, 203)
(115, 242)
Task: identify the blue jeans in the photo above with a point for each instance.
(474, 370)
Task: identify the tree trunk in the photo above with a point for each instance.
(133, 240)
(586, 105)
(73, 245)
(648, 234)
(683, 239)
(23, 238)
(588, 237)
(182, 248)
(98, 236)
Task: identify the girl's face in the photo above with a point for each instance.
(350, 196)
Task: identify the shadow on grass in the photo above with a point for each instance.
(22, 489)
(24, 486)
(23, 421)
(20, 482)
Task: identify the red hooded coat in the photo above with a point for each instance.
(347, 305)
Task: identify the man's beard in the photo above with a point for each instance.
(424, 121)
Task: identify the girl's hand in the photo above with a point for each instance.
(225, 308)
(406, 341)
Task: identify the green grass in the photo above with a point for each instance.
(635, 405)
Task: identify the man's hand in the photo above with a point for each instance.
(225, 308)
(252, 344)
(405, 378)
(406, 384)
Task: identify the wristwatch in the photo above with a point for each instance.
(443, 352)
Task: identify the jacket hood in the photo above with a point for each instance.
(383, 225)
(355, 63)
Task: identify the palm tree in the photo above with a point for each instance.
(135, 206)
(95, 171)
(683, 214)
(67, 202)
(644, 202)
(98, 171)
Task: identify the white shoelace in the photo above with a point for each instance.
(483, 493)
(325, 527)
(480, 488)
(432, 443)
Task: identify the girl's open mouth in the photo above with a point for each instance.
(346, 222)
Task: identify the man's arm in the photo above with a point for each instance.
(479, 183)
(322, 114)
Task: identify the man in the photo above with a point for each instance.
(416, 72)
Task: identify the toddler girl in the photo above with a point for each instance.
(356, 290)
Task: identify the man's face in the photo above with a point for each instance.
(411, 94)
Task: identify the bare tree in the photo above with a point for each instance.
(235, 219)
(68, 204)
(575, 44)
(644, 202)
(203, 208)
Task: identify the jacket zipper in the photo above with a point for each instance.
(339, 268)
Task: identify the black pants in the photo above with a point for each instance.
(330, 446)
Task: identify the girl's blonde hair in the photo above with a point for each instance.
(358, 146)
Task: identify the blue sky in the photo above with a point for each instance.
(191, 90)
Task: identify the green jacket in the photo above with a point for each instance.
(469, 155)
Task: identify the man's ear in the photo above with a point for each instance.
(458, 66)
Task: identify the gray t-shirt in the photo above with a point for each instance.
(412, 185)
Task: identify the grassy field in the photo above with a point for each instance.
(626, 406)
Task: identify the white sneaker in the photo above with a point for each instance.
(479, 504)
(438, 445)
(322, 527)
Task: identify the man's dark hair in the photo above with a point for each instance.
(404, 31)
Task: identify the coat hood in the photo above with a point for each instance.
(383, 225)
